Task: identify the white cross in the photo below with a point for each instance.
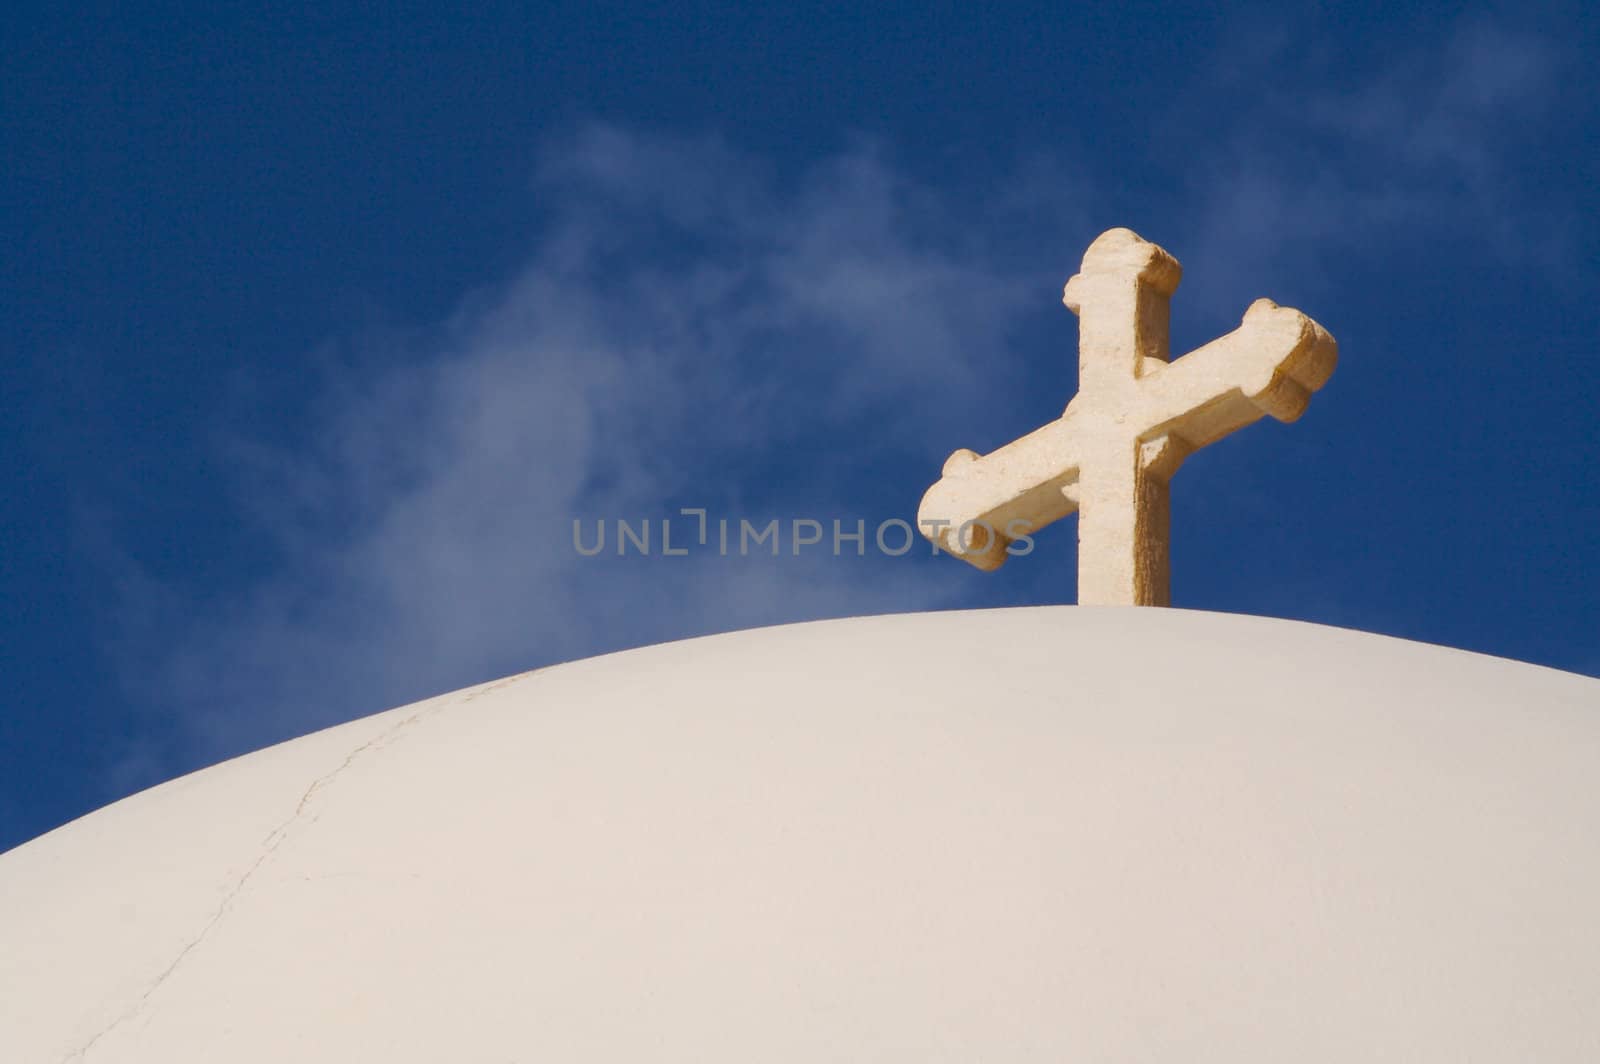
(1136, 417)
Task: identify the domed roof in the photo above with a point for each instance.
(1018, 835)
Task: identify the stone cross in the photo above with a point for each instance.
(1136, 417)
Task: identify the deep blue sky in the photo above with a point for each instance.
(320, 326)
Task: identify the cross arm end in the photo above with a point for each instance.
(984, 503)
(1296, 356)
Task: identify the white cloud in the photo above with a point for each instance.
(1415, 146)
(693, 331)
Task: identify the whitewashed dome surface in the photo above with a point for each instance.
(1057, 834)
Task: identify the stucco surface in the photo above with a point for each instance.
(1020, 835)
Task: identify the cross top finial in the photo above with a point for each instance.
(1123, 252)
(1136, 417)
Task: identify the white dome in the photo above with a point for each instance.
(1021, 835)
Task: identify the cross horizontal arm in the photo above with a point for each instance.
(1020, 482)
(1269, 365)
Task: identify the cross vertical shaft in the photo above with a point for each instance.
(1123, 298)
(1123, 497)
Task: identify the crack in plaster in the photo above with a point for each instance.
(269, 846)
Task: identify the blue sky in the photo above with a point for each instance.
(320, 327)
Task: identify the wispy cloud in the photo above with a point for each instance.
(1372, 153)
(692, 331)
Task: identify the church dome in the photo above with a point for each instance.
(1015, 835)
